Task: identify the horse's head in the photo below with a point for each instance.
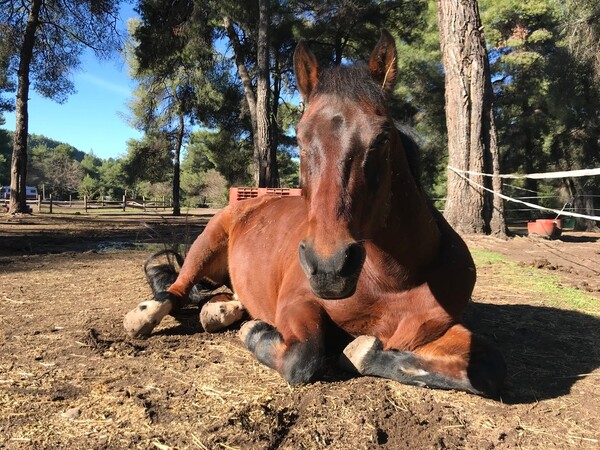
(345, 136)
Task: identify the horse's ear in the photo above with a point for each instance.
(383, 62)
(306, 70)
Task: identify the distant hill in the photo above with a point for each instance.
(34, 140)
(38, 139)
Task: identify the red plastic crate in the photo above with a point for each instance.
(242, 193)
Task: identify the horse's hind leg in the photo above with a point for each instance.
(457, 360)
(295, 348)
(207, 258)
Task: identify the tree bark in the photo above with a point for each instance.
(583, 203)
(497, 221)
(265, 151)
(469, 119)
(177, 166)
(18, 178)
(267, 175)
(242, 70)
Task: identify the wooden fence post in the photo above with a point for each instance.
(124, 202)
(50, 203)
(144, 203)
(70, 200)
(85, 203)
(39, 203)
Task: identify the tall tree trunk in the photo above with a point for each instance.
(242, 71)
(267, 173)
(265, 153)
(469, 119)
(177, 167)
(276, 95)
(18, 175)
(583, 203)
(497, 221)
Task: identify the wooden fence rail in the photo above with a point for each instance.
(87, 204)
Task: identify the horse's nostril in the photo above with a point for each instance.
(307, 259)
(353, 261)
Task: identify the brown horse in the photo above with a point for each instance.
(363, 251)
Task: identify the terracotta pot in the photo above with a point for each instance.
(545, 227)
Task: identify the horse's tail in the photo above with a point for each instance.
(161, 276)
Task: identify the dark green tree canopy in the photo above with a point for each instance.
(64, 29)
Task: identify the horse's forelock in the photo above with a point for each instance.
(353, 82)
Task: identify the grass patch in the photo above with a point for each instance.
(547, 287)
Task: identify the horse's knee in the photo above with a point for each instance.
(486, 369)
(298, 362)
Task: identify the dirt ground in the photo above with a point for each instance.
(71, 378)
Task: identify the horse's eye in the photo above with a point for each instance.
(373, 169)
(379, 142)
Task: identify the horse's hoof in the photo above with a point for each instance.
(140, 322)
(215, 316)
(355, 356)
(247, 328)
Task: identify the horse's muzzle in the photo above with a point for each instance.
(334, 277)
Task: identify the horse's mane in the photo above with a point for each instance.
(411, 149)
(350, 81)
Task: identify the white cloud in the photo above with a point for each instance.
(120, 89)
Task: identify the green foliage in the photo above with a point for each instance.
(289, 170)
(113, 178)
(220, 151)
(5, 154)
(207, 188)
(419, 98)
(89, 187)
(546, 97)
(36, 140)
(66, 28)
(91, 165)
(148, 159)
(581, 31)
(56, 169)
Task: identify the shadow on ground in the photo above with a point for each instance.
(546, 349)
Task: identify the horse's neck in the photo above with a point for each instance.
(411, 231)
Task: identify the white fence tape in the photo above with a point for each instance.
(461, 173)
(567, 173)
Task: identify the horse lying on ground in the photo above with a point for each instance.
(362, 255)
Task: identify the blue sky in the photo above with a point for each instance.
(92, 119)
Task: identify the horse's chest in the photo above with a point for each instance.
(382, 313)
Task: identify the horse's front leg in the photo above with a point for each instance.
(457, 360)
(294, 347)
